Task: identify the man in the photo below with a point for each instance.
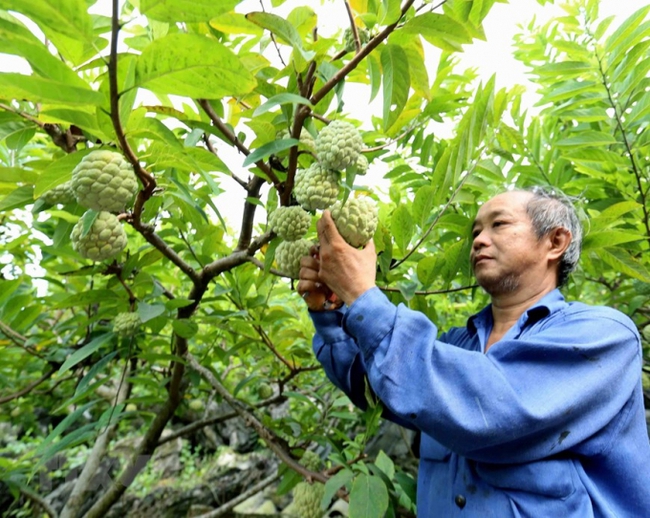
(534, 409)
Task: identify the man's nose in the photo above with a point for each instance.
(480, 240)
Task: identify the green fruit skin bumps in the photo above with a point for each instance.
(105, 239)
(288, 255)
(62, 194)
(290, 223)
(316, 188)
(126, 324)
(356, 221)
(307, 498)
(338, 145)
(104, 181)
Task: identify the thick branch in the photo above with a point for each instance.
(248, 216)
(273, 442)
(234, 259)
(149, 442)
(154, 239)
(77, 497)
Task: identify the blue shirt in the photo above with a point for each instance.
(548, 423)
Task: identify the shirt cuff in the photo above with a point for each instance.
(369, 319)
(328, 325)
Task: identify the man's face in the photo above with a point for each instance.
(506, 253)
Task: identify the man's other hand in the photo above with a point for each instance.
(347, 271)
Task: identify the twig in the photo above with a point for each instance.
(274, 443)
(148, 181)
(437, 218)
(28, 388)
(353, 26)
(208, 144)
(38, 500)
(216, 120)
(227, 507)
(197, 425)
(17, 339)
(434, 292)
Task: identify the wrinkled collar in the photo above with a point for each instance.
(548, 304)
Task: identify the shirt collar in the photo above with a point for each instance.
(549, 303)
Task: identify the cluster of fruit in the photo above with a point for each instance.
(103, 182)
(338, 146)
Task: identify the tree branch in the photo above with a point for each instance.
(28, 388)
(208, 144)
(219, 124)
(229, 506)
(434, 292)
(147, 180)
(31, 495)
(197, 425)
(77, 497)
(18, 339)
(274, 443)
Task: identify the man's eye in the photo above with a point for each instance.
(498, 223)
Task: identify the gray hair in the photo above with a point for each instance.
(549, 209)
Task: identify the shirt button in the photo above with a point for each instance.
(460, 501)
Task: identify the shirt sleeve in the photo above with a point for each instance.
(526, 399)
(342, 360)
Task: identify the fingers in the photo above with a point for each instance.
(327, 231)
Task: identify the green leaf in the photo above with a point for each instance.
(333, 484)
(587, 138)
(608, 238)
(281, 28)
(439, 30)
(402, 227)
(621, 261)
(58, 172)
(150, 311)
(192, 66)
(280, 99)
(39, 89)
(185, 327)
(17, 199)
(178, 303)
(88, 219)
(429, 267)
(368, 497)
(396, 82)
(384, 463)
(269, 149)
(93, 371)
(185, 10)
(67, 17)
(83, 353)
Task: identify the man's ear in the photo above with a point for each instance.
(558, 241)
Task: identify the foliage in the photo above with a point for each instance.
(209, 105)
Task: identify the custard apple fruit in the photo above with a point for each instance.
(126, 324)
(348, 38)
(362, 165)
(104, 181)
(288, 255)
(316, 187)
(306, 139)
(338, 145)
(105, 239)
(311, 461)
(307, 498)
(264, 390)
(356, 221)
(290, 223)
(62, 194)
